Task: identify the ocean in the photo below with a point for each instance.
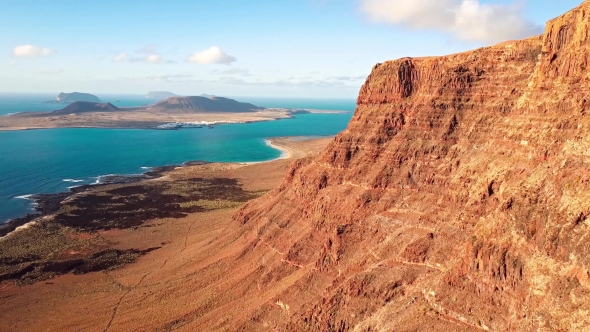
(52, 160)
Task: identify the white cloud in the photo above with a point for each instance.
(467, 20)
(212, 55)
(160, 78)
(288, 82)
(120, 57)
(149, 58)
(30, 51)
(153, 58)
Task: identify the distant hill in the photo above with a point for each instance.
(199, 104)
(160, 95)
(76, 96)
(85, 107)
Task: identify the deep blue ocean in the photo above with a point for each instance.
(51, 160)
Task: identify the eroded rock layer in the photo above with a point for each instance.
(456, 199)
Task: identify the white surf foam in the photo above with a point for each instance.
(72, 180)
(100, 178)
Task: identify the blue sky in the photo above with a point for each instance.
(278, 48)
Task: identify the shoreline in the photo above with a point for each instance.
(103, 227)
(147, 120)
(285, 152)
(43, 204)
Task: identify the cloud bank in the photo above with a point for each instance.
(353, 82)
(149, 58)
(468, 20)
(212, 55)
(30, 51)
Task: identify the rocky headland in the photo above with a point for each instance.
(456, 199)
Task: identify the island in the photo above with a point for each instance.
(171, 113)
(203, 104)
(66, 98)
(86, 107)
(159, 95)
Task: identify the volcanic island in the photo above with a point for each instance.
(171, 113)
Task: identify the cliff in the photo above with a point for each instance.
(76, 96)
(456, 199)
(200, 104)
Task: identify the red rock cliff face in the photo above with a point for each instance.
(456, 199)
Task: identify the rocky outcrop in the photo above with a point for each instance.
(456, 199)
(199, 104)
(76, 96)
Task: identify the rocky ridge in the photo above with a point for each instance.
(201, 104)
(456, 199)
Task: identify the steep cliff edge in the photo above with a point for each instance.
(456, 199)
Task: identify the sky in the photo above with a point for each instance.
(263, 48)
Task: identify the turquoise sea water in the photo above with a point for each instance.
(49, 161)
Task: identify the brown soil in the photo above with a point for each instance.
(163, 288)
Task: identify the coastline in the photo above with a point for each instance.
(46, 204)
(285, 151)
(72, 233)
(43, 205)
